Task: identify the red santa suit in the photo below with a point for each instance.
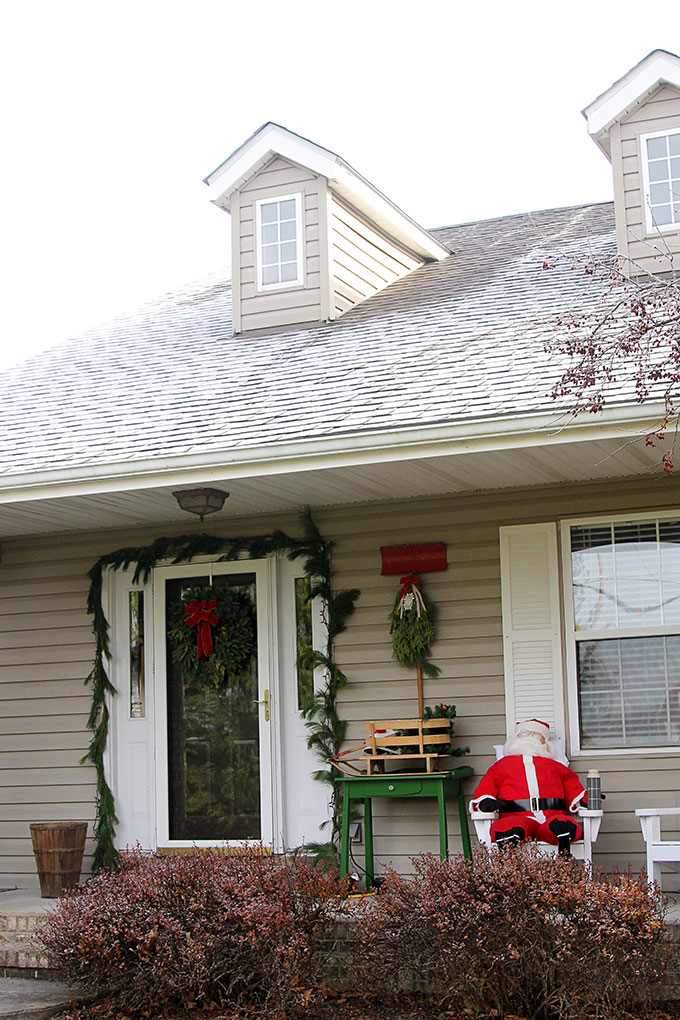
(536, 794)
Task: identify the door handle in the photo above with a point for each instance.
(265, 702)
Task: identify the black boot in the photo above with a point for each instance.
(565, 832)
(564, 845)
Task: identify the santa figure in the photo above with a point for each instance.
(536, 795)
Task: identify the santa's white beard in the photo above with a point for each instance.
(531, 745)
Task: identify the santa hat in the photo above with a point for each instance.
(534, 726)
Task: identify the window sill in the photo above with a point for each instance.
(663, 229)
(275, 288)
(619, 752)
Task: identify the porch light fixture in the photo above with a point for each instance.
(201, 501)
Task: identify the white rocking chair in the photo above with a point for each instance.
(659, 851)
(582, 849)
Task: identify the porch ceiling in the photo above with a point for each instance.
(267, 490)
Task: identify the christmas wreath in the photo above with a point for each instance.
(412, 627)
(212, 635)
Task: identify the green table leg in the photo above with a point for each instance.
(464, 829)
(344, 845)
(368, 841)
(443, 830)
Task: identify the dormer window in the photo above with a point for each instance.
(661, 172)
(279, 242)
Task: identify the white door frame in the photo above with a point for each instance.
(306, 806)
(136, 752)
(129, 760)
(270, 799)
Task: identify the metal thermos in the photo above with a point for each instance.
(594, 790)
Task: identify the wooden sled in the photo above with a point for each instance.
(396, 742)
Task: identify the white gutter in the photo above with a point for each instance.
(492, 435)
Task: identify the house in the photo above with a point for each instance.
(395, 380)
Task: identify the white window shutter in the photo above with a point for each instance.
(532, 626)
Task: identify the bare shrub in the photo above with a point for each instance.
(519, 932)
(197, 925)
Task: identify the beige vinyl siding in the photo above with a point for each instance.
(45, 654)
(647, 249)
(308, 303)
(362, 259)
(47, 648)
(469, 649)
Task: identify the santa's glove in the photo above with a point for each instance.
(489, 804)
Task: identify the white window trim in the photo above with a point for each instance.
(265, 288)
(570, 643)
(650, 226)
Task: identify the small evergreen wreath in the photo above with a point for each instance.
(444, 712)
(412, 630)
(233, 637)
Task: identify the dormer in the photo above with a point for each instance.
(636, 123)
(311, 238)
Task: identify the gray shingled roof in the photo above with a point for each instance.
(455, 341)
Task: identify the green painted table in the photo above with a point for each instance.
(436, 784)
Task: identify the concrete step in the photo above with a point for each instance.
(22, 953)
(22, 999)
(20, 923)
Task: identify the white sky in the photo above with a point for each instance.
(113, 112)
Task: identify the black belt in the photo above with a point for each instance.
(535, 804)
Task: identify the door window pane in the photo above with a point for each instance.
(303, 628)
(213, 735)
(137, 682)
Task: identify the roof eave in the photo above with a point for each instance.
(489, 435)
(272, 139)
(658, 68)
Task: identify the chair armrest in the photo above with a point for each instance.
(482, 822)
(590, 819)
(483, 816)
(656, 812)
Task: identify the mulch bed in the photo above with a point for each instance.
(332, 1006)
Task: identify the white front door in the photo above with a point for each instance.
(213, 765)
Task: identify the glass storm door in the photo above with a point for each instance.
(213, 723)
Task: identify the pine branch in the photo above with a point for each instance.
(326, 729)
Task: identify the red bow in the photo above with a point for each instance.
(201, 614)
(407, 584)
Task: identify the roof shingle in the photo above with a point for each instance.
(454, 341)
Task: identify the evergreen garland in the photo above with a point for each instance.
(326, 730)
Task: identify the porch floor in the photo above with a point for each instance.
(24, 901)
(29, 902)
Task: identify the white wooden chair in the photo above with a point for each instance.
(582, 849)
(659, 851)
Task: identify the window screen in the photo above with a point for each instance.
(662, 153)
(626, 599)
(279, 242)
